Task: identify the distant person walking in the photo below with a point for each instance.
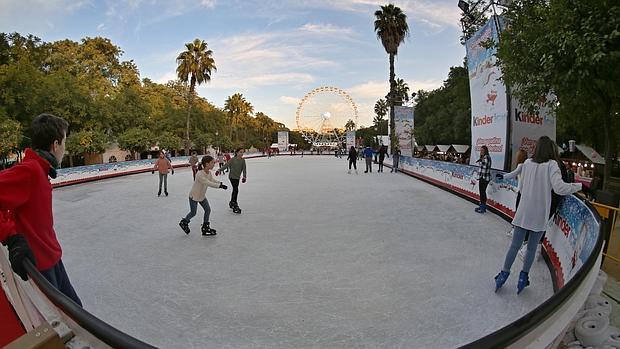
(352, 159)
(198, 195)
(236, 166)
(484, 177)
(382, 154)
(162, 166)
(368, 157)
(193, 162)
(395, 160)
(539, 175)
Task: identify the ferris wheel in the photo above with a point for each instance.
(323, 115)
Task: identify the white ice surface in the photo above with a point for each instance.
(318, 259)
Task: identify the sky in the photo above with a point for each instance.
(274, 52)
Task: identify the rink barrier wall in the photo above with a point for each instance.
(547, 321)
(573, 243)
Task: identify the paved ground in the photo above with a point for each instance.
(318, 259)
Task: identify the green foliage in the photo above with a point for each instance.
(136, 139)
(169, 141)
(10, 136)
(443, 116)
(86, 141)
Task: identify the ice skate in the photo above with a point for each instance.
(524, 281)
(207, 231)
(166, 193)
(500, 279)
(184, 224)
(236, 209)
(159, 193)
(231, 204)
(481, 209)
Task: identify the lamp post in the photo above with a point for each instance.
(216, 144)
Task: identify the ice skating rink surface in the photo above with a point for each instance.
(318, 259)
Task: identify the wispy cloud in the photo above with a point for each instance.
(208, 3)
(13, 14)
(326, 29)
(290, 100)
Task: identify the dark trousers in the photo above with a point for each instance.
(381, 164)
(482, 185)
(235, 191)
(163, 178)
(354, 163)
(195, 170)
(368, 164)
(57, 276)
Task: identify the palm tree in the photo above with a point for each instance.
(392, 29)
(350, 125)
(402, 91)
(194, 65)
(381, 108)
(238, 110)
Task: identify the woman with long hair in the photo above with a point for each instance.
(484, 177)
(352, 159)
(236, 165)
(538, 176)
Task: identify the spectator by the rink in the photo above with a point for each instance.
(539, 175)
(27, 194)
(368, 157)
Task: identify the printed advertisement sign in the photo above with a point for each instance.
(403, 129)
(350, 139)
(489, 113)
(282, 140)
(527, 128)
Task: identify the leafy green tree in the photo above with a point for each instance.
(570, 48)
(203, 141)
(195, 65)
(402, 92)
(85, 142)
(239, 110)
(136, 140)
(392, 29)
(10, 137)
(169, 141)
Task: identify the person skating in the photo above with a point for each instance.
(352, 159)
(382, 154)
(368, 157)
(26, 197)
(198, 195)
(484, 177)
(236, 165)
(162, 166)
(395, 160)
(193, 162)
(538, 176)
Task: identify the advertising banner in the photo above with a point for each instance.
(403, 129)
(489, 112)
(282, 141)
(570, 235)
(350, 139)
(527, 128)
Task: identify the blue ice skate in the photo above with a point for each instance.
(524, 281)
(500, 279)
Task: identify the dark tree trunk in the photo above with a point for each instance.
(392, 98)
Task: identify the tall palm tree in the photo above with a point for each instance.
(195, 65)
(402, 91)
(392, 29)
(238, 110)
(350, 125)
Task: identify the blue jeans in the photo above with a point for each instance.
(164, 178)
(193, 205)
(518, 236)
(57, 276)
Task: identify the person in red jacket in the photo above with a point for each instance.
(26, 197)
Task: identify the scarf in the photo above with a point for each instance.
(49, 157)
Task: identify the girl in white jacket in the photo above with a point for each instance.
(198, 195)
(537, 177)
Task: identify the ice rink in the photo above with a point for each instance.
(318, 259)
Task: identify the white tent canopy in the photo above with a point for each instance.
(443, 148)
(591, 154)
(460, 148)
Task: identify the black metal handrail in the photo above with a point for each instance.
(86, 320)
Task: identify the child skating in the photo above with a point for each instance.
(235, 166)
(162, 166)
(198, 195)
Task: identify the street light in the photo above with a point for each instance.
(216, 144)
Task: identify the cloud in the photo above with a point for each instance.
(26, 15)
(101, 27)
(208, 3)
(290, 100)
(166, 77)
(326, 29)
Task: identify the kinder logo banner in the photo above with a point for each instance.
(571, 234)
(282, 140)
(403, 127)
(489, 112)
(528, 127)
(350, 139)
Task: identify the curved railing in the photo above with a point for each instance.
(576, 218)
